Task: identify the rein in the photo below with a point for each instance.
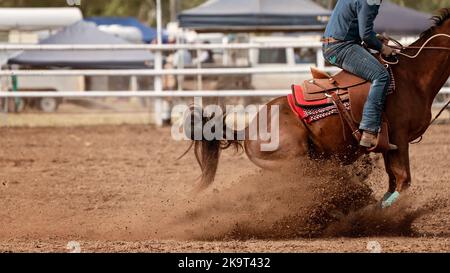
(400, 47)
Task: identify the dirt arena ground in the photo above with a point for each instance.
(121, 189)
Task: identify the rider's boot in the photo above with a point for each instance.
(369, 140)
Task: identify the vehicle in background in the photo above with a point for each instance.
(295, 57)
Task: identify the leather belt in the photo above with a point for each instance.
(329, 40)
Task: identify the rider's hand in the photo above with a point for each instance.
(383, 39)
(388, 51)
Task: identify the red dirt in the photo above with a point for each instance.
(120, 189)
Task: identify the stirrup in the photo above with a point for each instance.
(383, 144)
(392, 147)
(368, 142)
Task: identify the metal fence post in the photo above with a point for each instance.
(320, 59)
(158, 66)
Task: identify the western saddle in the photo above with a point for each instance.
(341, 87)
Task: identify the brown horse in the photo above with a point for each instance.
(408, 111)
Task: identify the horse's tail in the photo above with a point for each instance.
(207, 152)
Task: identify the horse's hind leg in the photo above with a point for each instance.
(292, 142)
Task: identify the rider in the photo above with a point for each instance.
(351, 24)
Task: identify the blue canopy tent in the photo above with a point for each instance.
(149, 34)
(84, 33)
(255, 15)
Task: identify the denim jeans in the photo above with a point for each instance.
(355, 59)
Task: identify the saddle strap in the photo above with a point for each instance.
(346, 115)
(336, 88)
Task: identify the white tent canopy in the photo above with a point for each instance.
(34, 19)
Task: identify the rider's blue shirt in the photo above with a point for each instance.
(353, 20)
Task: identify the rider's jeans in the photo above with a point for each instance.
(354, 58)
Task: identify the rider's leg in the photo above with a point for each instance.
(360, 62)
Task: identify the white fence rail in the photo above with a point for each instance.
(158, 93)
(162, 72)
(158, 72)
(151, 94)
(21, 47)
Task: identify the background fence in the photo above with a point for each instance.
(157, 72)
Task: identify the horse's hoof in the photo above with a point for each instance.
(390, 200)
(386, 196)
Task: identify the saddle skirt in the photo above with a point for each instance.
(314, 94)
